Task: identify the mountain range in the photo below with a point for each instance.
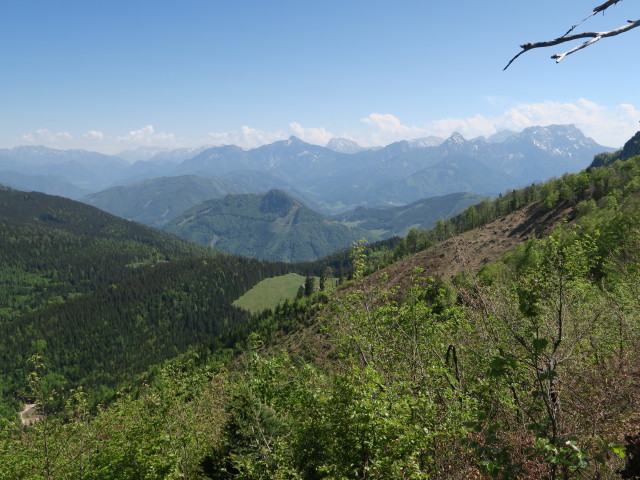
(332, 179)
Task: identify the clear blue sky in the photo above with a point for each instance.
(114, 75)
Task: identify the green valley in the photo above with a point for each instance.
(387, 222)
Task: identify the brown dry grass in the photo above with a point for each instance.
(471, 250)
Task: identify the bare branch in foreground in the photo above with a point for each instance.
(595, 36)
(598, 9)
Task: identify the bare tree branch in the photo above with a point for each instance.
(597, 36)
(604, 6)
(598, 9)
(594, 36)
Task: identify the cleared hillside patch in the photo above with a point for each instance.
(270, 292)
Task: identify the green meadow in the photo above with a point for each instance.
(270, 292)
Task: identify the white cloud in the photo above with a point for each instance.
(467, 127)
(314, 135)
(246, 137)
(45, 136)
(94, 135)
(147, 136)
(608, 126)
(387, 128)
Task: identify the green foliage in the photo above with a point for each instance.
(162, 432)
(103, 299)
(271, 226)
(309, 285)
(525, 370)
(589, 189)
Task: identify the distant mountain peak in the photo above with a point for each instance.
(293, 140)
(569, 130)
(277, 202)
(430, 141)
(343, 145)
(560, 139)
(141, 153)
(456, 139)
(500, 136)
(33, 149)
(271, 226)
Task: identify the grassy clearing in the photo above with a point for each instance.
(271, 291)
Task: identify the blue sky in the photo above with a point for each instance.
(115, 75)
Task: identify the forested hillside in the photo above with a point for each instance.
(52, 247)
(272, 226)
(103, 298)
(526, 367)
(156, 201)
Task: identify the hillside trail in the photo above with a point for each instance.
(30, 414)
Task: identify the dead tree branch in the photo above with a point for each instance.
(593, 36)
(598, 9)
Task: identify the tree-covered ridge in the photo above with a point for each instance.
(156, 201)
(527, 369)
(272, 226)
(52, 247)
(578, 190)
(631, 149)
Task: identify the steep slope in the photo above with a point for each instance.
(631, 149)
(527, 369)
(271, 226)
(471, 250)
(104, 337)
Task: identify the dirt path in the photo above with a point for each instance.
(29, 414)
